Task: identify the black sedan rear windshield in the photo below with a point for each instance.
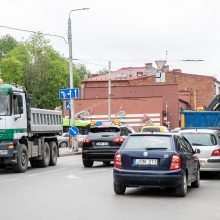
(104, 129)
(148, 143)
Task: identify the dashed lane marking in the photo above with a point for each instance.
(9, 180)
(72, 177)
(93, 171)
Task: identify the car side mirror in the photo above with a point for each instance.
(197, 151)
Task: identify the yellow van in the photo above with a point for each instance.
(154, 129)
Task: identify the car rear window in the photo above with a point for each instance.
(201, 139)
(151, 130)
(142, 142)
(104, 129)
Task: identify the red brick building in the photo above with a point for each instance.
(136, 91)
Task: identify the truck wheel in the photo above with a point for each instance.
(182, 189)
(53, 153)
(46, 156)
(87, 163)
(22, 159)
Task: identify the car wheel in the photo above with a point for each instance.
(196, 183)
(107, 163)
(88, 163)
(182, 189)
(119, 189)
(63, 144)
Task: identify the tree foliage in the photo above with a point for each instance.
(35, 65)
(7, 43)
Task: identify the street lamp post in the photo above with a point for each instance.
(71, 69)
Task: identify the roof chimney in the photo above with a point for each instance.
(147, 69)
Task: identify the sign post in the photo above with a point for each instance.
(70, 94)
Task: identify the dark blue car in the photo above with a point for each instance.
(156, 160)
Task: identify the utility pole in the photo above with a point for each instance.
(109, 90)
(72, 122)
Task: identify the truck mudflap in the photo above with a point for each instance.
(7, 149)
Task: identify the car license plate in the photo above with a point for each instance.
(152, 162)
(3, 152)
(101, 144)
(202, 162)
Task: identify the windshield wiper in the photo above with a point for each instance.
(156, 148)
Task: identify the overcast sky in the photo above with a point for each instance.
(127, 32)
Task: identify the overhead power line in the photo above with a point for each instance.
(34, 32)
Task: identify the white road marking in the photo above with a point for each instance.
(93, 171)
(9, 180)
(72, 177)
(204, 181)
(34, 174)
(57, 170)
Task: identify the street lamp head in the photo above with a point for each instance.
(78, 9)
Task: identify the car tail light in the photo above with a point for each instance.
(216, 152)
(86, 141)
(117, 161)
(175, 163)
(119, 140)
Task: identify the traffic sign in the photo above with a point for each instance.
(67, 105)
(160, 64)
(73, 131)
(69, 93)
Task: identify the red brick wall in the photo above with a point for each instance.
(200, 88)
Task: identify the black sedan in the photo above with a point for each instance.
(156, 160)
(103, 142)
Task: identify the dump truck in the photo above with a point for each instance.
(203, 119)
(26, 134)
(209, 117)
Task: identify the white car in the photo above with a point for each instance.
(208, 142)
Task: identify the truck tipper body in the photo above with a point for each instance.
(26, 134)
(203, 119)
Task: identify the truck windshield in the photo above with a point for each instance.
(4, 105)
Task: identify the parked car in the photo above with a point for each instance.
(208, 142)
(154, 129)
(63, 140)
(156, 160)
(103, 142)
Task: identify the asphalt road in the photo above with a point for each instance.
(69, 191)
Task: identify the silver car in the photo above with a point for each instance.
(63, 140)
(208, 142)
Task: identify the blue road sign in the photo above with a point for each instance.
(69, 93)
(73, 131)
(67, 105)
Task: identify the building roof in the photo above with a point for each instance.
(126, 73)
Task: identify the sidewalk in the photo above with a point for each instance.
(69, 152)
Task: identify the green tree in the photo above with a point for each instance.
(41, 70)
(7, 43)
